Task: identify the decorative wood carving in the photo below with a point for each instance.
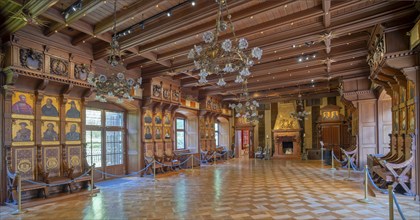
(31, 59)
(11, 76)
(81, 71)
(59, 67)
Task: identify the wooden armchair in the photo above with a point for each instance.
(57, 180)
(172, 159)
(12, 184)
(85, 181)
(149, 161)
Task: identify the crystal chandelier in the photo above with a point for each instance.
(300, 115)
(246, 107)
(115, 86)
(114, 57)
(229, 56)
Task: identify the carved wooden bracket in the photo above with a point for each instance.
(11, 76)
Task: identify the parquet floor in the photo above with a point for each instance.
(237, 189)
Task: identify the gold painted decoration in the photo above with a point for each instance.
(73, 133)
(403, 93)
(73, 108)
(50, 133)
(158, 133)
(74, 155)
(158, 118)
(50, 108)
(167, 119)
(75, 161)
(396, 121)
(23, 105)
(24, 162)
(167, 133)
(411, 90)
(167, 94)
(403, 119)
(22, 132)
(52, 160)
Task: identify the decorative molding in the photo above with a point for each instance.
(81, 71)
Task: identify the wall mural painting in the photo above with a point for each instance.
(167, 133)
(31, 59)
(24, 162)
(411, 90)
(74, 158)
(50, 132)
(23, 105)
(330, 115)
(403, 119)
(50, 108)
(72, 133)
(148, 133)
(52, 161)
(158, 119)
(403, 93)
(167, 119)
(411, 116)
(148, 117)
(22, 132)
(158, 133)
(73, 108)
(396, 121)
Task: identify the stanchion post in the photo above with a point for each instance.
(192, 161)
(391, 203)
(322, 156)
(348, 169)
(19, 191)
(92, 172)
(332, 160)
(366, 199)
(214, 158)
(154, 169)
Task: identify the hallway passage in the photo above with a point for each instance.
(237, 189)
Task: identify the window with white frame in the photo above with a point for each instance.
(180, 133)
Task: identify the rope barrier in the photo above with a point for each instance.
(374, 185)
(172, 165)
(398, 206)
(353, 166)
(131, 174)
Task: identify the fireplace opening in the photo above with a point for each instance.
(288, 147)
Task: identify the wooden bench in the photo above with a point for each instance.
(64, 180)
(12, 184)
(397, 174)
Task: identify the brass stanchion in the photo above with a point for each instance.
(154, 169)
(192, 162)
(19, 191)
(92, 171)
(348, 169)
(366, 199)
(332, 160)
(391, 203)
(214, 159)
(322, 157)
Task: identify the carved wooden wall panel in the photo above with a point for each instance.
(24, 161)
(367, 129)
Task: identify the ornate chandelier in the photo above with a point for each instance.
(115, 86)
(300, 115)
(114, 57)
(246, 107)
(229, 56)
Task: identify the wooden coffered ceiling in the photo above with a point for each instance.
(332, 34)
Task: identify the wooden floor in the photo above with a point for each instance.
(237, 189)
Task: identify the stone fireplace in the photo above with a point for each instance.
(287, 144)
(286, 133)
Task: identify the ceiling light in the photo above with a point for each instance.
(314, 55)
(300, 59)
(293, 46)
(193, 3)
(168, 14)
(312, 80)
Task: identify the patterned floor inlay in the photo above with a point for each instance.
(237, 189)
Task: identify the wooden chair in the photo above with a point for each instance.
(150, 160)
(12, 183)
(57, 180)
(78, 178)
(172, 159)
(397, 174)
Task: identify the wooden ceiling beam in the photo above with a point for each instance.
(35, 7)
(87, 7)
(326, 5)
